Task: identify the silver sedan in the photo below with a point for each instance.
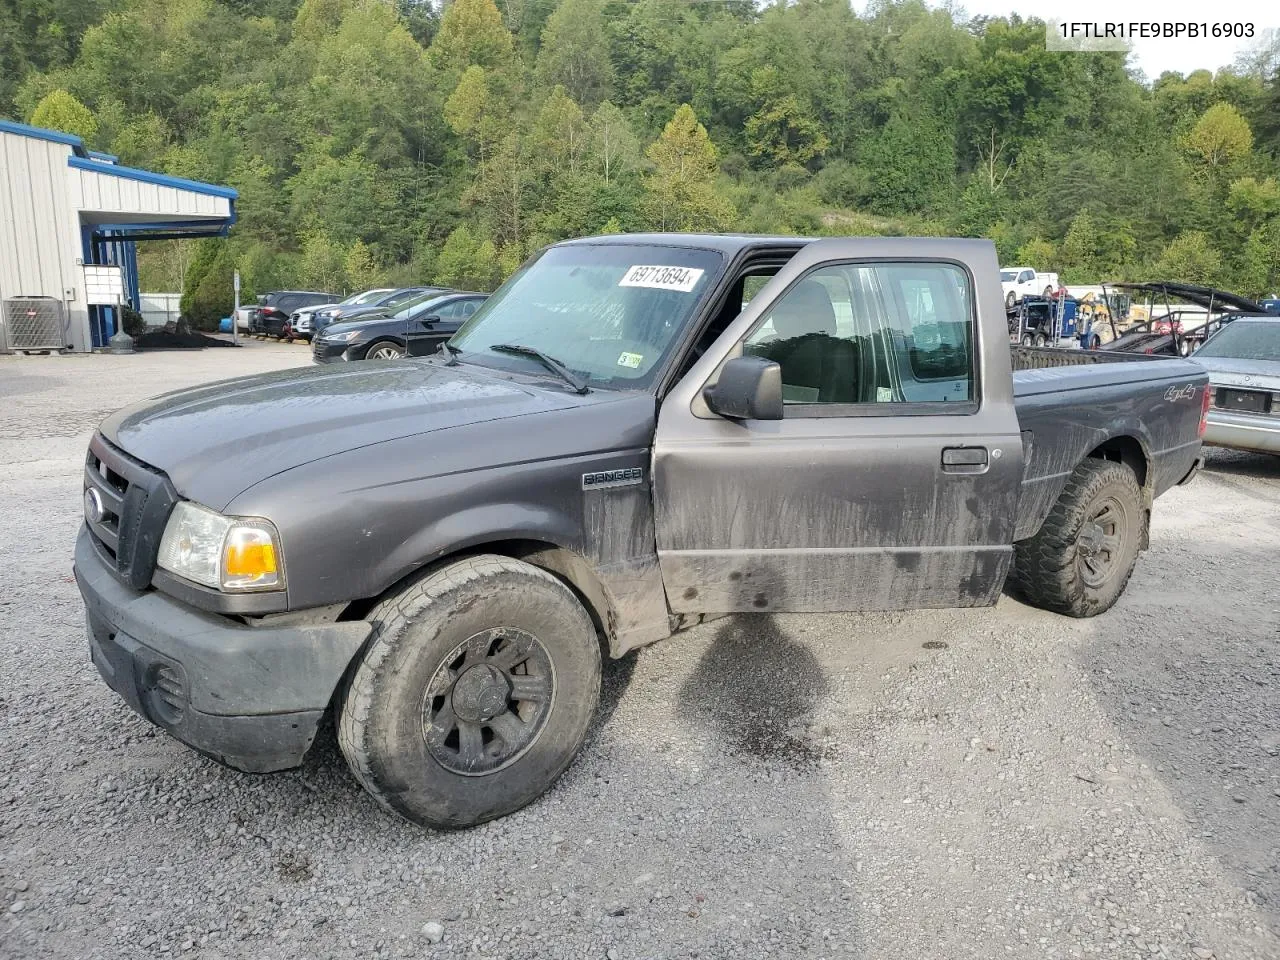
(1243, 360)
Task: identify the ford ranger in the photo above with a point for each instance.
(634, 433)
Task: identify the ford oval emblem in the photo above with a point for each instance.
(94, 511)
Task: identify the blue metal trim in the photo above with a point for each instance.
(104, 228)
(40, 133)
(192, 235)
(146, 176)
(99, 155)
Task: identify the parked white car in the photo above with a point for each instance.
(1019, 282)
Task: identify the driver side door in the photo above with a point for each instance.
(891, 481)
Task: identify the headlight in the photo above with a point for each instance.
(225, 553)
(344, 337)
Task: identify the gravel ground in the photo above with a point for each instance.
(943, 784)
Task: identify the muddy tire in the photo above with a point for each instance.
(474, 693)
(1081, 559)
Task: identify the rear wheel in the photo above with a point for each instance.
(1080, 561)
(1040, 340)
(474, 694)
(384, 350)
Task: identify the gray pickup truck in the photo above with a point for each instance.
(634, 433)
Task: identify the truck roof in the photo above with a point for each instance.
(722, 242)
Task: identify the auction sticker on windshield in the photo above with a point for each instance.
(683, 279)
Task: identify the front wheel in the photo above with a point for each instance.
(474, 694)
(1083, 555)
(1010, 299)
(384, 350)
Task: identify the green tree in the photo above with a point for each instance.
(473, 113)
(59, 110)
(560, 134)
(681, 190)
(361, 270)
(1220, 137)
(471, 34)
(575, 52)
(322, 266)
(467, 261)
(1192, 259)
(614, 147)
(781, 131)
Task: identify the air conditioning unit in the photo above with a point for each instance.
(35, 323)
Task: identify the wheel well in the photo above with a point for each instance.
(1126, 450)
(574, 570)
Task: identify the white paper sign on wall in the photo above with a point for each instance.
(103, 285)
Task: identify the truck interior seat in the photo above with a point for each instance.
(817, 364)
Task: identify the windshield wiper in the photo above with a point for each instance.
(551, 363)
(450, 353)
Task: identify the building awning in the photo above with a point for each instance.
(139, 204)
(128, 203)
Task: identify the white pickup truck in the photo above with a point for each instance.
(1019, 282)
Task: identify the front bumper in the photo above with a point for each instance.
(1243, 431)
(326, 351)
(249, 697)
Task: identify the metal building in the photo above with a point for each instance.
(64, 209)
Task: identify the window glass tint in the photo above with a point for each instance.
(873, 333)
(1245, 340)
(609, 312)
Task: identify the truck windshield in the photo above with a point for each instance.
(609, 312)
(1245, 340)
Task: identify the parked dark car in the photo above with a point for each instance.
(300, 319)
(273, 309)
(393, 302)
(417, 330)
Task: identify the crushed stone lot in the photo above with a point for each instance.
(942, 784)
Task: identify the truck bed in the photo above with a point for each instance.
(1071, 402)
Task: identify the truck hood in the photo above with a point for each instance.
(1233, 372)
(217, 440)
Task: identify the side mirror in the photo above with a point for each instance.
(431, 319)
(749, 388)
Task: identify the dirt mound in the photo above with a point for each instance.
(171, 340)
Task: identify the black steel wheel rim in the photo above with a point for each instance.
(488, 702)
(1101, 542)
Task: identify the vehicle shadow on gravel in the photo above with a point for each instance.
(756, 688)
(1241, 463)
(1200, 709)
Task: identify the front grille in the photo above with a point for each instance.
(136, 500)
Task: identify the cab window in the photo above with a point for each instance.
(878, 333)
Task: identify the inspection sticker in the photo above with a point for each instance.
(683, 279)
(632, 360)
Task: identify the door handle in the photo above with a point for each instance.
(964, 459)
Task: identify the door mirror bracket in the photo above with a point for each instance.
(749, 388)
